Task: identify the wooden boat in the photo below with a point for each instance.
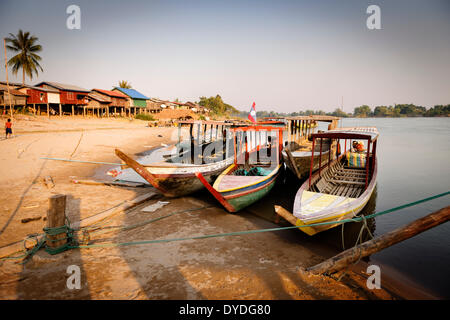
(339, 189)
(298, 149)
(175, 175)
(236, 191)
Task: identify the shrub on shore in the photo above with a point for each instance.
(146, 117)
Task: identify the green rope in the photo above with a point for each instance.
(71, 244)
(237, 233)
(98, 231)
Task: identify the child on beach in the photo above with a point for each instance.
(8, 125)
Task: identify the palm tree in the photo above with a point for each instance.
(26, 58)
(124, 84)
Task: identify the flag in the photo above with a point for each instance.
(252, 114)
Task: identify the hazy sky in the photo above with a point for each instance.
(284, 55)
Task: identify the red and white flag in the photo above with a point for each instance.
(252, 114)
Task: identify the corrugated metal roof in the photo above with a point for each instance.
(12, 91)
(63, 86)
(132, 93)
(14, 84)
(111, 93)
(98, 97)
(40, 89)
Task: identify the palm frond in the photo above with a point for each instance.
(26, 45)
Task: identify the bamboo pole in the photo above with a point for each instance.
(379, 243)
(7, 81)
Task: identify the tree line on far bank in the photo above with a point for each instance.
(398, 110)
(402, 110)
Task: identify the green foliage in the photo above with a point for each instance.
(201, 117)
(26, 58)
(362, 111)
(438, 111)
(411, 110)
(267, 114)
(146, 117)
(338, 113)
(125, 84)
(216, 105)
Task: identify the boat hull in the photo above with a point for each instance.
(242, 198)
(181, 180)
(313, 207)
(302, 160)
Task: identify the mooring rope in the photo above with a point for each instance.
(356, 219)
(73, 245)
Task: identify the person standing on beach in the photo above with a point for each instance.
(8, 127)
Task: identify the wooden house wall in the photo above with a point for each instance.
(36, 96)
(73, 97)
(95, 104)
(115, 101)
(15, 100)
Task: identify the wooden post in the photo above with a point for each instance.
(379, 243)
(73, 110)
(60, 110)
(39, 110)
(48, 110)
(56, 216)
(7, 82)
(34, 109)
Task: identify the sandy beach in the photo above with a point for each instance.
(259, 266)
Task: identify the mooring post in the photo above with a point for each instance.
(56, 217)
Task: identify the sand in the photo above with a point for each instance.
(259, 266)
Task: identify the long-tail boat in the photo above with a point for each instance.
(210, 153)
(255, 168)
(298, 149)
(340, 188)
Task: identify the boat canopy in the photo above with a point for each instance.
(366, 133)
(204, 122)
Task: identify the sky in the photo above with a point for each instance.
(285, 55)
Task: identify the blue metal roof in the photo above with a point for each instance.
(132, 93)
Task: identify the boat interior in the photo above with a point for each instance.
(184, 154)
(306, 145)
(342, 177)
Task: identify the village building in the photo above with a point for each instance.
(72, 99)
(137, 101)
(97, 105)
(154, 105)
(12, 85)
(41, 100)
(118, 101)
(11, 98)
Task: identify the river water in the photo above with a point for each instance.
(413, 163)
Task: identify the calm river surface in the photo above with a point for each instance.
(413, 163)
